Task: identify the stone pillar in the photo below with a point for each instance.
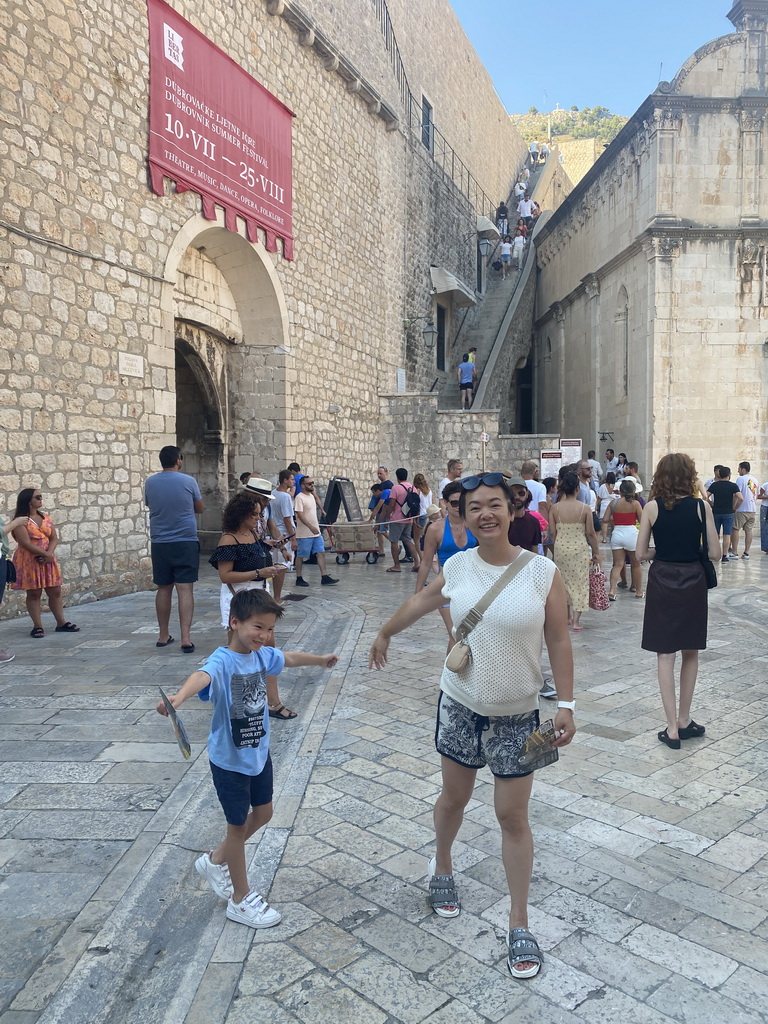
(559, 314)
(663, 127)
(658, 413)
(750, 150)
(592, 288)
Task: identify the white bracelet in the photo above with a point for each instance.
(569, 705)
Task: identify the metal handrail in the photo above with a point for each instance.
(442, 152)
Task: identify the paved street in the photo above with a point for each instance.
(650, 889)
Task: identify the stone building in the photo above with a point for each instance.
(652, 286)
(130, 320)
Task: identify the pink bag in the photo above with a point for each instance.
(598, 591)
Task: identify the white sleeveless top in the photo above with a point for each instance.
(504, 676)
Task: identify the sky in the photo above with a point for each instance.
(589, 53)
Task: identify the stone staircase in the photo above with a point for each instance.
(482, 335)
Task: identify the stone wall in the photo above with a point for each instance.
(101, 280)
(579, 156)
(422, 439)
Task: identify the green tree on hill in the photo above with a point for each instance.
(588, 123)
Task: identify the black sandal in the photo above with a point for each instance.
(691, 731)
(277, 712)
(673, 744)
(68, 627)
(38, 632)
(523, 948)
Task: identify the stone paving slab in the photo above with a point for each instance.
(650, 887)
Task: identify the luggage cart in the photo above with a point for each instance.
(355, 539)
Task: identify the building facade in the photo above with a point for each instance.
(650, 331)
(130, 320)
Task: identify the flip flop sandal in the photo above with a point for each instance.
(523, 947)
(278, 712)
(188, 648)
(167, 643)
(442, 893)
(68, 627)
(393, 570)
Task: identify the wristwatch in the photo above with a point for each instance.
(570, 705)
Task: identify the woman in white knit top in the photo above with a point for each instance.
(487, 711)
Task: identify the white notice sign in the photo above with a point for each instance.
(550, 463)
(571, 449)
(129, 365)
(400, 380)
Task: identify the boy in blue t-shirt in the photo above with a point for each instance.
(234, 678)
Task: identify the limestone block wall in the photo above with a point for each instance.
(579, 156)
(423, 439)
(90, 273)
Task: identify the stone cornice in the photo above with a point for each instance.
(664, 245)
(333, 60)
(631, 146)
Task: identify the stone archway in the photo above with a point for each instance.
(229, 321)
(201, 423)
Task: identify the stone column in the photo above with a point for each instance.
(663, 127)
(592, 288)
(559, 314)
(658, 414)
(750, 149)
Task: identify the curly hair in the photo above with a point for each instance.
(237, 510)
(675, 478)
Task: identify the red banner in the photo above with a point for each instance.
(215, 130)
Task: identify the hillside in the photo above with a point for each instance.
(588, 123)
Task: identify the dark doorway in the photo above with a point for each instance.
(199, 433)
(524, 399)
(440, 337)
(427, 125)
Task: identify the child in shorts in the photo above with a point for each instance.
(234, 678)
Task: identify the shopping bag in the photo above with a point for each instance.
(598, 592)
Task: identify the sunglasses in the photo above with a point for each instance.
(471, 483)
(454, 504)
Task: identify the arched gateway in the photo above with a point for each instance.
(225, 315)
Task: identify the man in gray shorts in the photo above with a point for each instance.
(400, 521)
(174, 500)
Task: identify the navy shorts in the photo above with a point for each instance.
(238, 793)
(176, 562)
(726, 521)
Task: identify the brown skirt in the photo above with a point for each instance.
(675, 608)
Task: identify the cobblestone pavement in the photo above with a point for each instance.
(650, 889)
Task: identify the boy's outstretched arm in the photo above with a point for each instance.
(192, 685)
(297, 659)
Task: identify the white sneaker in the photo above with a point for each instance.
(5, 657)
(217, 876)
(253, 911)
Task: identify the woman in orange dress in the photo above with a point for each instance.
(35, 562)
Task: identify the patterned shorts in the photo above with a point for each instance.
(475, 741)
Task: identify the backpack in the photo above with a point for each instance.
(411, 507)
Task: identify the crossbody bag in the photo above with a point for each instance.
(460, 654)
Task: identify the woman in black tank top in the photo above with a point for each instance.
(676, 593)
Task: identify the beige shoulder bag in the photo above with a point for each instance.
(460, 655)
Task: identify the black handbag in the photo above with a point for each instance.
(10, 571)
(710, 575)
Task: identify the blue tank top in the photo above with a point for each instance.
(448, 545)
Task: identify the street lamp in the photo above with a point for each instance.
(428, 331)
(485, 245)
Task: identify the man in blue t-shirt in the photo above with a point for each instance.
(174, 500)
(234, 679)
(466, 376)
